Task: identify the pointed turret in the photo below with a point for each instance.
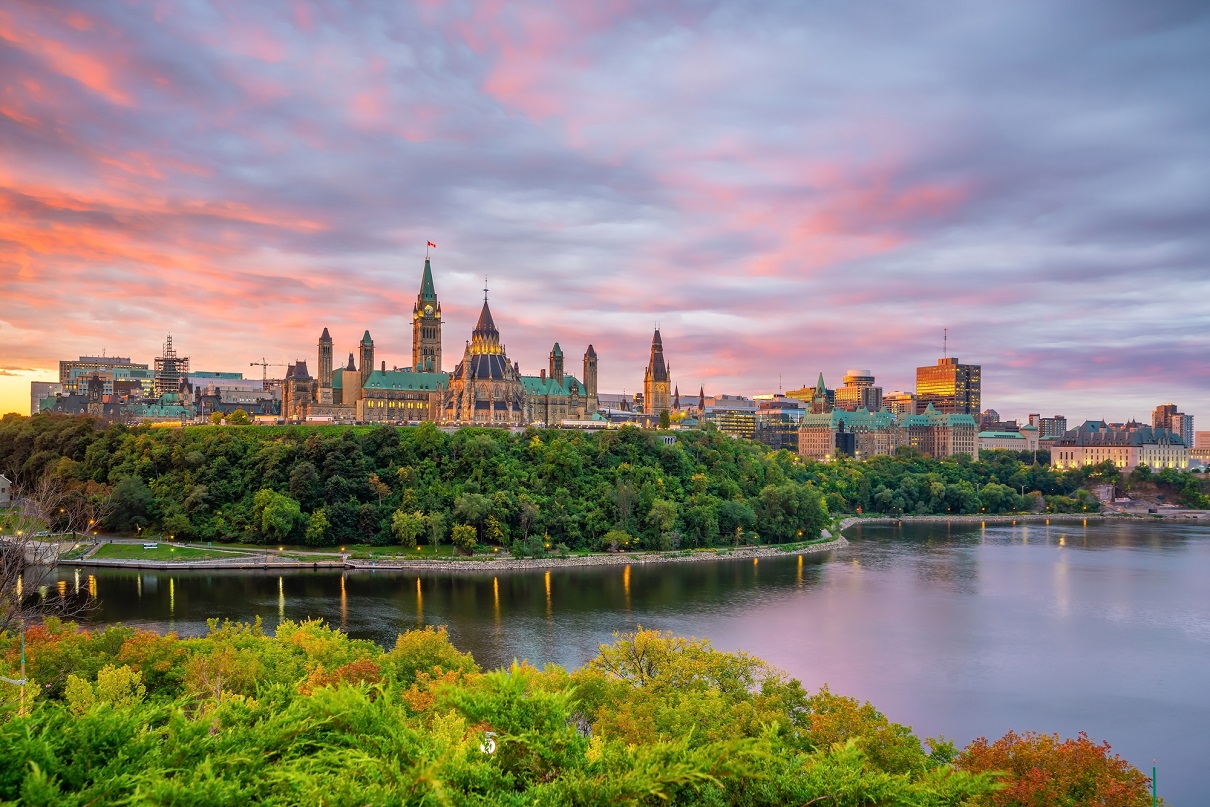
(351, 367)
(676, 398)
(428, 293)
(556, 363)
(324, 337)
(367, 357)
(486, 325)
(657, 385)
(701, 399)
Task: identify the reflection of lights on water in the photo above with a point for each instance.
(139, 581)
(800, 571)
(62, 587)
(344, 605)
(43, 592)
(20, 587)
(548, 608)
(281, 598)
(92, 586)
(172, 596)
(419, 604)
(1062, 540)
(626, 585)
(77, 581)
(496, 597)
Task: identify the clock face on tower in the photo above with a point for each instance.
(428, 311)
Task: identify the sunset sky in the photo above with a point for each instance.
(786, 188)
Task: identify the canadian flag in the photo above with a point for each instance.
(431, 244)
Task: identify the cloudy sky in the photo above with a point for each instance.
(786, 188)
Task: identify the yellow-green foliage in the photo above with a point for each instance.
(119, 687)
(311, 717)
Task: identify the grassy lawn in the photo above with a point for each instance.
(394, 551)
(165, 552)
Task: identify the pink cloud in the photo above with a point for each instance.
(76, 62)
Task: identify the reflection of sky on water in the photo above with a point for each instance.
(962, 631)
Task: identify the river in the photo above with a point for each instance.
(959, 630)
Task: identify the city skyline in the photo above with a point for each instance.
(784, 191)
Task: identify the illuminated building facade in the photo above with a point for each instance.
(818, 399)
(949, 387)
(1126, 445)
(900, 403)
(859, 392)
(731, 414)
(941, 434)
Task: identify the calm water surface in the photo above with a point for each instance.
(962, 631)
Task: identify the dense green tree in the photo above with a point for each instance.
(276, 516)
(133, 505)
(407, 527)
(463, 538)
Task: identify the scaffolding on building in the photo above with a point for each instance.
(170, 370)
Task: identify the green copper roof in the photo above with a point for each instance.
(558, 351)
(427, 292)
(338, 381)
(931, 417)
(366, 340)
(1002, 435)
(536, 385)
(404, 380)
(858, 419)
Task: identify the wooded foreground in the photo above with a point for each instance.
(309, 716)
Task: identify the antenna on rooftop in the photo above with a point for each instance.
(945, 338)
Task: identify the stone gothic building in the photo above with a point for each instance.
(485, 388)
(657, 381)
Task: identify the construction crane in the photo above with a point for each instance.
(264, 365)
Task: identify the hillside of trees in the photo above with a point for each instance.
(309, 716)
(332, 485)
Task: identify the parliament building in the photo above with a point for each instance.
(485, 387)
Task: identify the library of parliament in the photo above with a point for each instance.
(484, 388)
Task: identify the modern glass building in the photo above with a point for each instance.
(951, 388)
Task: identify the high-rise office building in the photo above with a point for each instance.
(859, 392)
(950, 387)
(1049, 428)
(900, 403)
(1182, 425)
(1167, 416)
